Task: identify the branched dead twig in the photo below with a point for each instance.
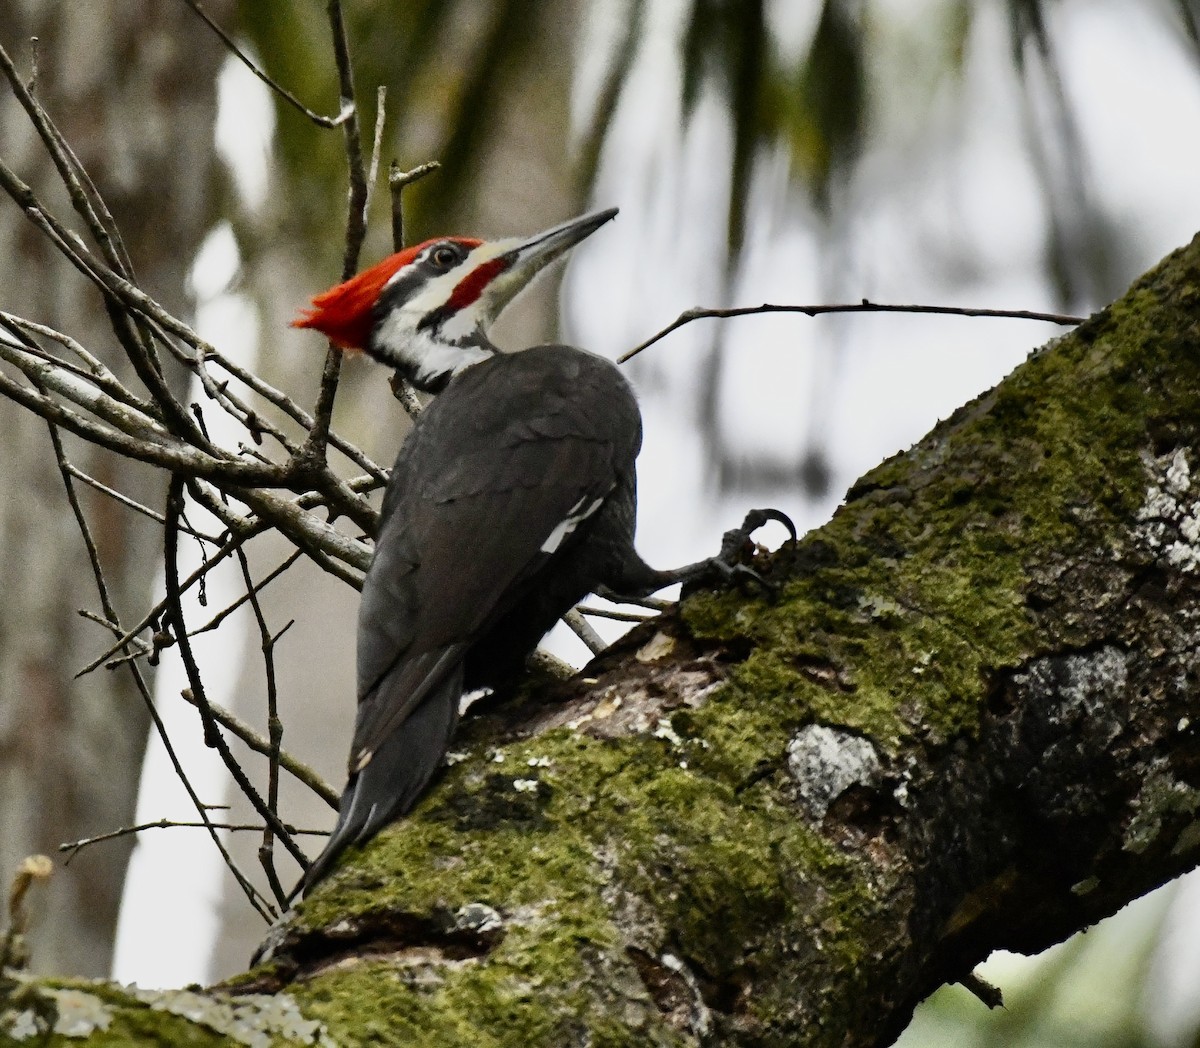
(54, 376)
(156, 612)
(398, 181)
(238, 537)
(297, 769)
(274, 85)
(212, 732)
(138, 679)
(178, 444)
(699, 313)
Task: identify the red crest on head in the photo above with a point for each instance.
(343, 313)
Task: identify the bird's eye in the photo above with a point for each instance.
(444, 257)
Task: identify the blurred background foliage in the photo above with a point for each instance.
(451, 65)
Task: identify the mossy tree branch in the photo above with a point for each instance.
(967, 724)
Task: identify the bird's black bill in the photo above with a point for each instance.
(539, 250)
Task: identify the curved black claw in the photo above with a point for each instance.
(736, 538)
(726, 565)
(781, 517)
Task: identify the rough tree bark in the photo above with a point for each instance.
(967, 723)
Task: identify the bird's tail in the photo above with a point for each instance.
(395, 778)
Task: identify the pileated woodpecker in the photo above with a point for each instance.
(512, 498)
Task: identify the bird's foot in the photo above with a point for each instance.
(727, 564)
(734, 540)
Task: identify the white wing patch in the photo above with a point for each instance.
(576, 516)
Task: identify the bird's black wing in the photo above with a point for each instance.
(481, 499)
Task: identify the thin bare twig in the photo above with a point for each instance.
(156, 612)
(87, 391)
(253, 896)
(266, 851)
(698, 313)
(259, 586)
(274, 85)
(94, 365)
(583, 630)
(141, 648)
(249, 530)
(130, 503)
(289, 407)
(376, 145)
(610, 613)
(297, 769)
(101, 394)
(74, 847)
(356, 214)
(169, 453)
(313, 452)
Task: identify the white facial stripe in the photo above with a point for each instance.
(429, 359)
(573, 519)
(461, 324)
(434, 293)
(439, 290)
(399, 274)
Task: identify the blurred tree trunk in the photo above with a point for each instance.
(967, 723)
(70, 751)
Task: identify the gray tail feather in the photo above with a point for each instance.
(394, 780)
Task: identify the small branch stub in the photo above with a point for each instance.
(13, 952)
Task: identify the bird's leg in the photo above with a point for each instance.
(641, 579)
